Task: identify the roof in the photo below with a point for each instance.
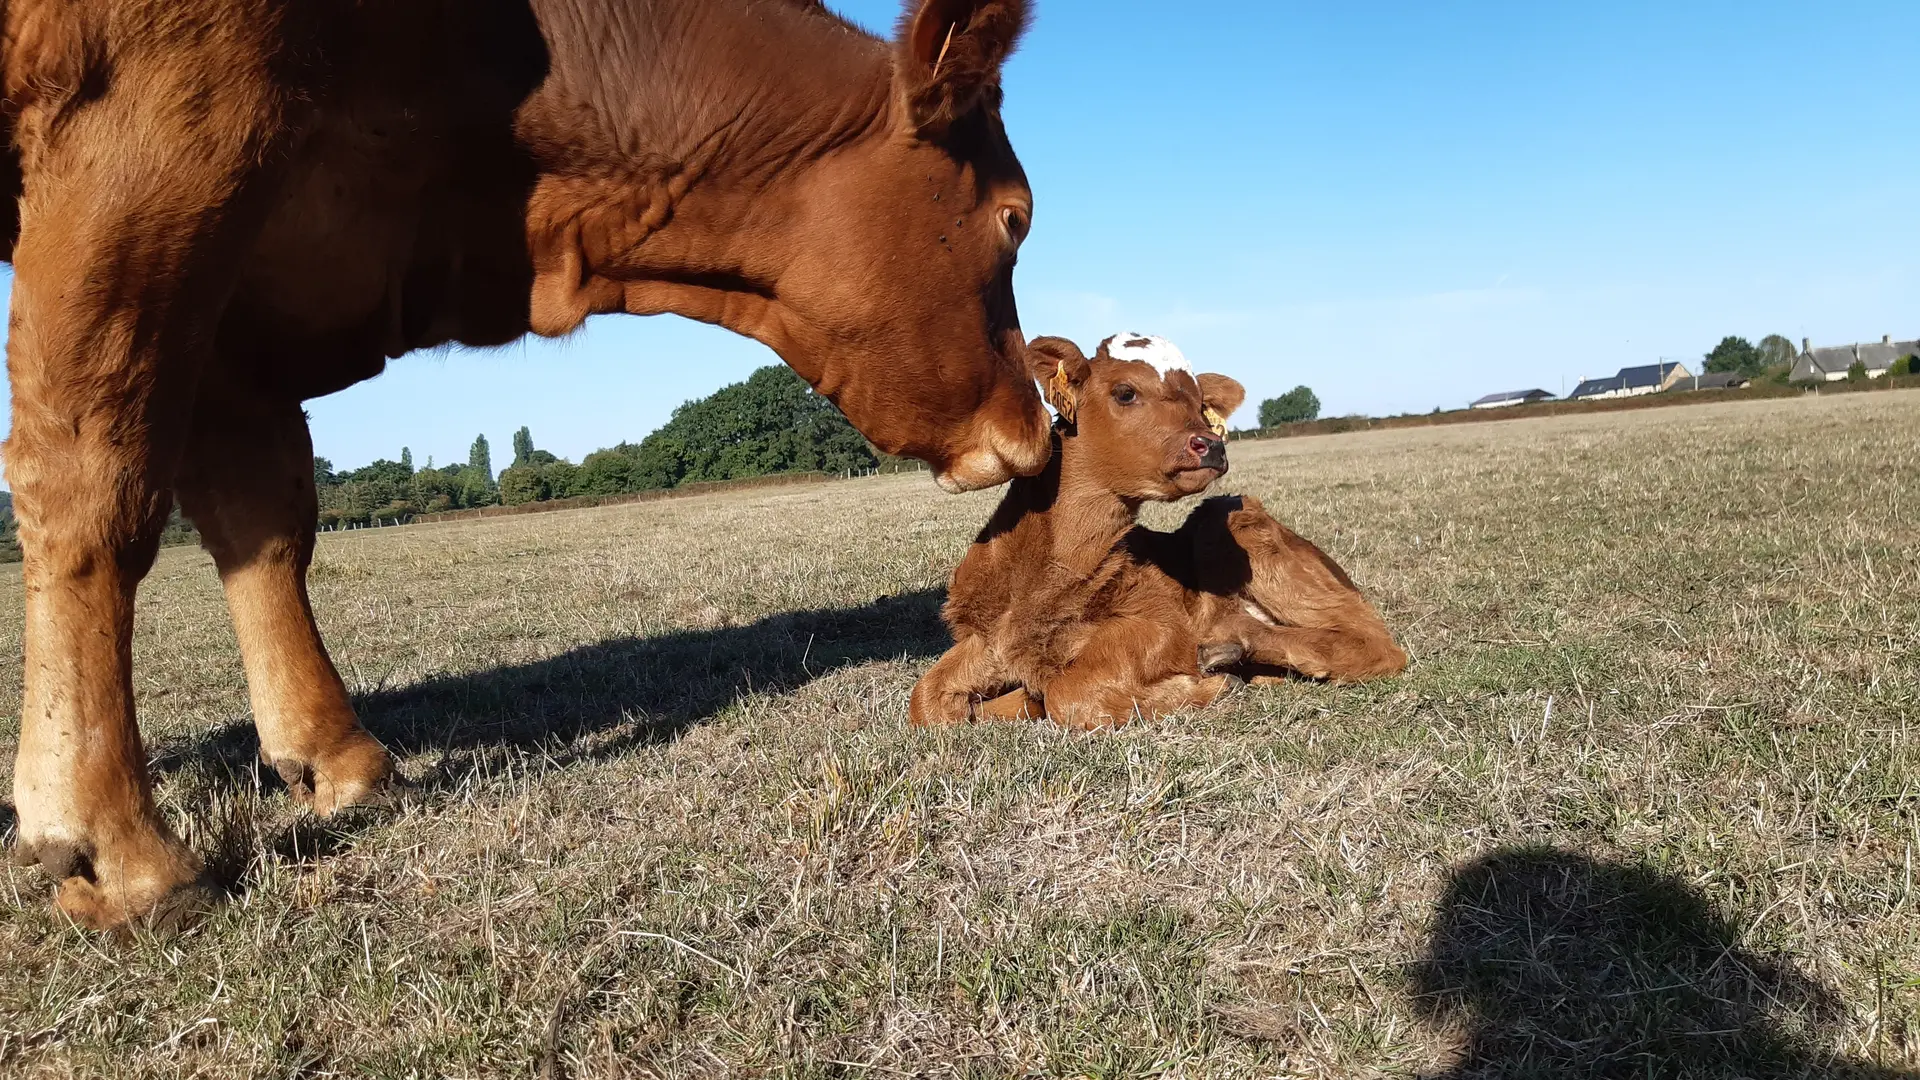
(1645, 375)
(1832, 359)
(1512, 395)
(1590, 387)
(1877, 356)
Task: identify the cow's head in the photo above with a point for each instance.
(1140, 423)
(899, 304)
(860, 215)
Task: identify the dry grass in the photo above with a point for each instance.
(1647, 802)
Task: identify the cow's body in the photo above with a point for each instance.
(229, 206)
(1065, 606)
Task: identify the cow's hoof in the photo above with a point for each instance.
(168, 911)
(357, 773)
(1221, 654)
(149, 881)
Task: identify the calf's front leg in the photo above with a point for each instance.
(1128, 668)
(963, 676)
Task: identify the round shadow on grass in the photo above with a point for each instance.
(1561, 965)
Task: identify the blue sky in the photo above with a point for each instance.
(1399, 205)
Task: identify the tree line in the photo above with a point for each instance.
(771, 423)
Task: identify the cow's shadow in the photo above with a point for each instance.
(1557, 964)
(594, 701)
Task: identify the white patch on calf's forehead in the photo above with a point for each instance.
(1157, 352)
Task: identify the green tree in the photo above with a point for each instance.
(476, 489)
(562, 479)
(480, 460)
(1292, 407)
(1903, 366)
(1736, 354)
(406, 460)
(606, 472)
(522, 484)
(1776, 351)
(771, 423)
(1857, 371)
(322, 472)
(522, 447)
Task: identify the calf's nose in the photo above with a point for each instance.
(1211, 451)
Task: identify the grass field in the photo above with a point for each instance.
(1646, 804)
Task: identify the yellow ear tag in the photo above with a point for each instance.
(1215, 421)
(1060, 391)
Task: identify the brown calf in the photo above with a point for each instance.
(217, 209)
(1065, 605)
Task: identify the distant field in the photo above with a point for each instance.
(1647, 802)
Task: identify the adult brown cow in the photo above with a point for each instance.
(228, 206)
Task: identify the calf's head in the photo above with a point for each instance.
(1138, 421)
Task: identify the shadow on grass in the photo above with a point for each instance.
(642, 690)
(1561, 965)
(593, 702)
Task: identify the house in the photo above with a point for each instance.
(1651, 378)
(1510, 397)
(1830, 363)
(1633, 381)
(1596, 388)
(1713, 380)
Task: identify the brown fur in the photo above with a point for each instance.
(228, 206)
(1065, 607)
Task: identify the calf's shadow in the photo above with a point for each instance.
(1561, 965)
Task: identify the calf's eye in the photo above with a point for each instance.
(1123, 394)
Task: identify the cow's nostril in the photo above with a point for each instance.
(1199, 445)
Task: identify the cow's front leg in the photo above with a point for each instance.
(138, 200)
(247, 483)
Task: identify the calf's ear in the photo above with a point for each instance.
(948, 57)
(1062, 370)
(1220, 395)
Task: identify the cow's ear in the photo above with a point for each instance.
(1220, 396)
(949, 55)
(1062, 370)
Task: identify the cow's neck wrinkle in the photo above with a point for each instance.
(662, 134)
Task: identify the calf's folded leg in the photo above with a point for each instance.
(1300, 611)
(1128, 668)
(964, 675)
(1337, 655)
(1012, 705)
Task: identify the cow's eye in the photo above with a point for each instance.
(1014, 221)
(1124, 394)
